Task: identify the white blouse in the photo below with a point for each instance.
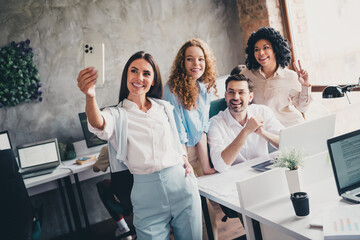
(150, 141)
(282, 92)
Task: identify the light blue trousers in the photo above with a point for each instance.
(163, 199)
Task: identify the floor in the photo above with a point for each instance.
(231, 229)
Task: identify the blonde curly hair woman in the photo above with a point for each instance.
(192, 78)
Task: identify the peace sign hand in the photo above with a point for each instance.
(303, 75)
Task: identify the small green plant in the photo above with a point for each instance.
(19, 76)
(291, 159)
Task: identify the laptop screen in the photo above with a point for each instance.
(344, 152)
(40, 155)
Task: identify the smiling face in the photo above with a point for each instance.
(194, 62)
(238, 96)
(140, 78)
(264, 53)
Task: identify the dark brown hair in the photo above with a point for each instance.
(155, 91)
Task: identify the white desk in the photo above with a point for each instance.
(221, 187)
(277, 214)
(47, 182)
(44, 183)
(67, 173)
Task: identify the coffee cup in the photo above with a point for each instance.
(300, 201)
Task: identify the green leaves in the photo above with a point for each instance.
(19, 77)
(291, 159)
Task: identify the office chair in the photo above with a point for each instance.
(216, 106)
(16, 210)
(120, 185)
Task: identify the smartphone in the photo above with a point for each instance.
(94, 56)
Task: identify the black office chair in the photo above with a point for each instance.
(16, 210)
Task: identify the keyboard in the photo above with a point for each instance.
(37, 173)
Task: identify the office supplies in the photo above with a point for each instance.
(5, 142)
(317, 220)
(86, 159)
(264, 166)
(344, 153)
(91, 139)
(38, 158)
(342, 222)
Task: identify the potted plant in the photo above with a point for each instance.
(292, 160)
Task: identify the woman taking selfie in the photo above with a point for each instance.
(142, 131)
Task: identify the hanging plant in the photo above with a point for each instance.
(19, 76)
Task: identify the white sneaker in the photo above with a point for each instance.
(118, 234)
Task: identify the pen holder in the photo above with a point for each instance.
(300, 203)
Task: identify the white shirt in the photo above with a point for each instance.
(224, 129)
(282, 92)
(150, 140)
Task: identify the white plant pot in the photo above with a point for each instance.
(293, 178)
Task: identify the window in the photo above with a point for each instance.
(326, 38)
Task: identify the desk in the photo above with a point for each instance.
(66, 174)
(221, 187)
(86, 172)
(277, 214)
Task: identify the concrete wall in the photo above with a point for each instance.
(56, 30)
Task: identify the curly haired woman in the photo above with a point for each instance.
(192, 77)
(286, 92)
(188, 90)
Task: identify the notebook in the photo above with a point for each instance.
(38, 158)
(309, 136)
(344, 153)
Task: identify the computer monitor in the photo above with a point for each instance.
(91, 139)
(38, 156)
(5, 142)
(309, 136)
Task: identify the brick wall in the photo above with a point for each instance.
(254, 14)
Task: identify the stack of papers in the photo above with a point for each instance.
(342, 222)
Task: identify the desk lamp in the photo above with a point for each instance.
(337, 91)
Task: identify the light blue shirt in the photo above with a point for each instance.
(191, 124)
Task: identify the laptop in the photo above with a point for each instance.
(38, 158)
(309, 136)
(5, 141)
(344, 153)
